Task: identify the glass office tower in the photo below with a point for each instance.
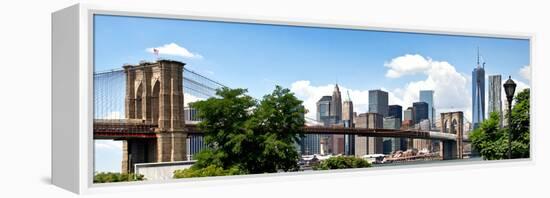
(478, 94)
(427, 96)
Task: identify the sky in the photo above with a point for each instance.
(310, 61)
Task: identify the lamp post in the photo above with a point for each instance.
(509, 88)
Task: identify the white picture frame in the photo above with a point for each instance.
(72, 95)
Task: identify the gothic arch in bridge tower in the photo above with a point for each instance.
(154, 95)
(155, 102)
(139, 102)
(454, 126)
(445, 126)
(452, 122)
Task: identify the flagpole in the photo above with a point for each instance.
(156, 52)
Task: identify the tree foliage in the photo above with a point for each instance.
(208, 171)
(492, 141)
(246, 136)
(107, 177)
(489, 139)
(342, 162)
(225, 126)
(277, 126)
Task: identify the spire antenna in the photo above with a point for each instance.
(482, 62)
(349, 98)
(478, 56)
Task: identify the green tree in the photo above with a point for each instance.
(520, 123)
(492, 142)
(245, 136)
(342, 162)
(225, 126)
(489, 139)
(277, 125)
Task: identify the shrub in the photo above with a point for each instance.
(208, 171)
(342, 162)
(107, 177)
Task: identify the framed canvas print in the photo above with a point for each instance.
(142, 97)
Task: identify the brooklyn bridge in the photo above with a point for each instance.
(143, 106)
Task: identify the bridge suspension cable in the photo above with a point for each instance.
(109, 94)
(110, 91)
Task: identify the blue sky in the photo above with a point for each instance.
(310, 61)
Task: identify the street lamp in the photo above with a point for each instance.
(509, 88)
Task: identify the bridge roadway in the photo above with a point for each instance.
(119, 129)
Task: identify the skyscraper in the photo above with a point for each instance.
(478, 94)
(408, 114)
(378, 109)
(368, 145)
(336, 142)
(391, 144)
(347, 119)
(420, 110)
(421, 144)
(495, 102)
(427, 96)
(378, 102)
(408, 122)
(299, 144)
(323, 110)
(394, 121)
(311, 142)
(395, 111)
(347, 114)
(336, 105)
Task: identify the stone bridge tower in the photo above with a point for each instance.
(154, 96)
(452, 122)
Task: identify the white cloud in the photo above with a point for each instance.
(311, 94)
(174, 50)
(520, 86)
(188, 98)
(451, 88)
(407, 65)
(525, 72)
(108, 144)
(113, 115)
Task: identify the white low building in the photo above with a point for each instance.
(161, 170)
